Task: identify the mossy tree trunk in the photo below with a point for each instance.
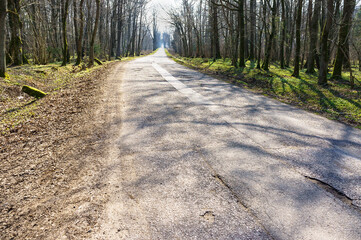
(95, 30)
(324, 58)
(15, 24)
(3, 8)
(342, 56)
(65, 11)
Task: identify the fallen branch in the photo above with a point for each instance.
(36, 93)
(98, 61)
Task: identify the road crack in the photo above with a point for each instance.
(334, 191)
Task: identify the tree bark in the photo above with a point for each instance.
(241, 33)
(271, 37)
(342, 55)
(3, 9)
(79, 37)
(283, 37)
(312, 52)
(65, 11)
(215, 46)
(120, 26)
(324, 59)
(296, 70)
(15, 24)
(95, 30)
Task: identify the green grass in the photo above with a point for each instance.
(336, 100)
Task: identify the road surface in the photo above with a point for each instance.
(192, 157)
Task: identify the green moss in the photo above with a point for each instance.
(36, 93)
(336, 101)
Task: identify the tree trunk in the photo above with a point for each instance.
(296, 71)
(216, 52)
(15, 27)
(324, 59)
(65, 11)
(271, 36)
(283, 37)
(342, 55)
(95, 30)
(313, 38)
(120, 26)
(3, 9)
(241, 33)
(79, 37)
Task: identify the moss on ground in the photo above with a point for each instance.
(336, 100)
(17, 107)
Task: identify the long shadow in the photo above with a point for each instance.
(337, 94)
(18, 108)
(324, 101)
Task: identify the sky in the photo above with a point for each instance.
(161, 6)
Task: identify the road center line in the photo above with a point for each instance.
(181, 87)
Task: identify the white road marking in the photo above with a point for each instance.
(181, 87)
(201, 100)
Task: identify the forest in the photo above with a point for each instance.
(46, 31)
(303, 34)
(322, 35)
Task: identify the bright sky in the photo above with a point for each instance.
(161, 6)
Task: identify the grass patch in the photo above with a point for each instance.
(335, 101)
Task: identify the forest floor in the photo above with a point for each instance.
(51, 151)
(336, 101)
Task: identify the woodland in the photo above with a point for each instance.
(304, 34)
(46, 31)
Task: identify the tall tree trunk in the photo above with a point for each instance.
(342, 55)
(112, 39)
(65, 11)
(215, 46)
(3, 10)
(290, 39)
(79, 38)
(312, 52)
(271, 36)
(324, 59)
(262, 3)
(241, 33)
(95, 30)
(139, 47)
(155, 33)
(296, 71)
(15, 24)
(120, 26)
(283, 37)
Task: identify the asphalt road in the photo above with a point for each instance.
(192, 157)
